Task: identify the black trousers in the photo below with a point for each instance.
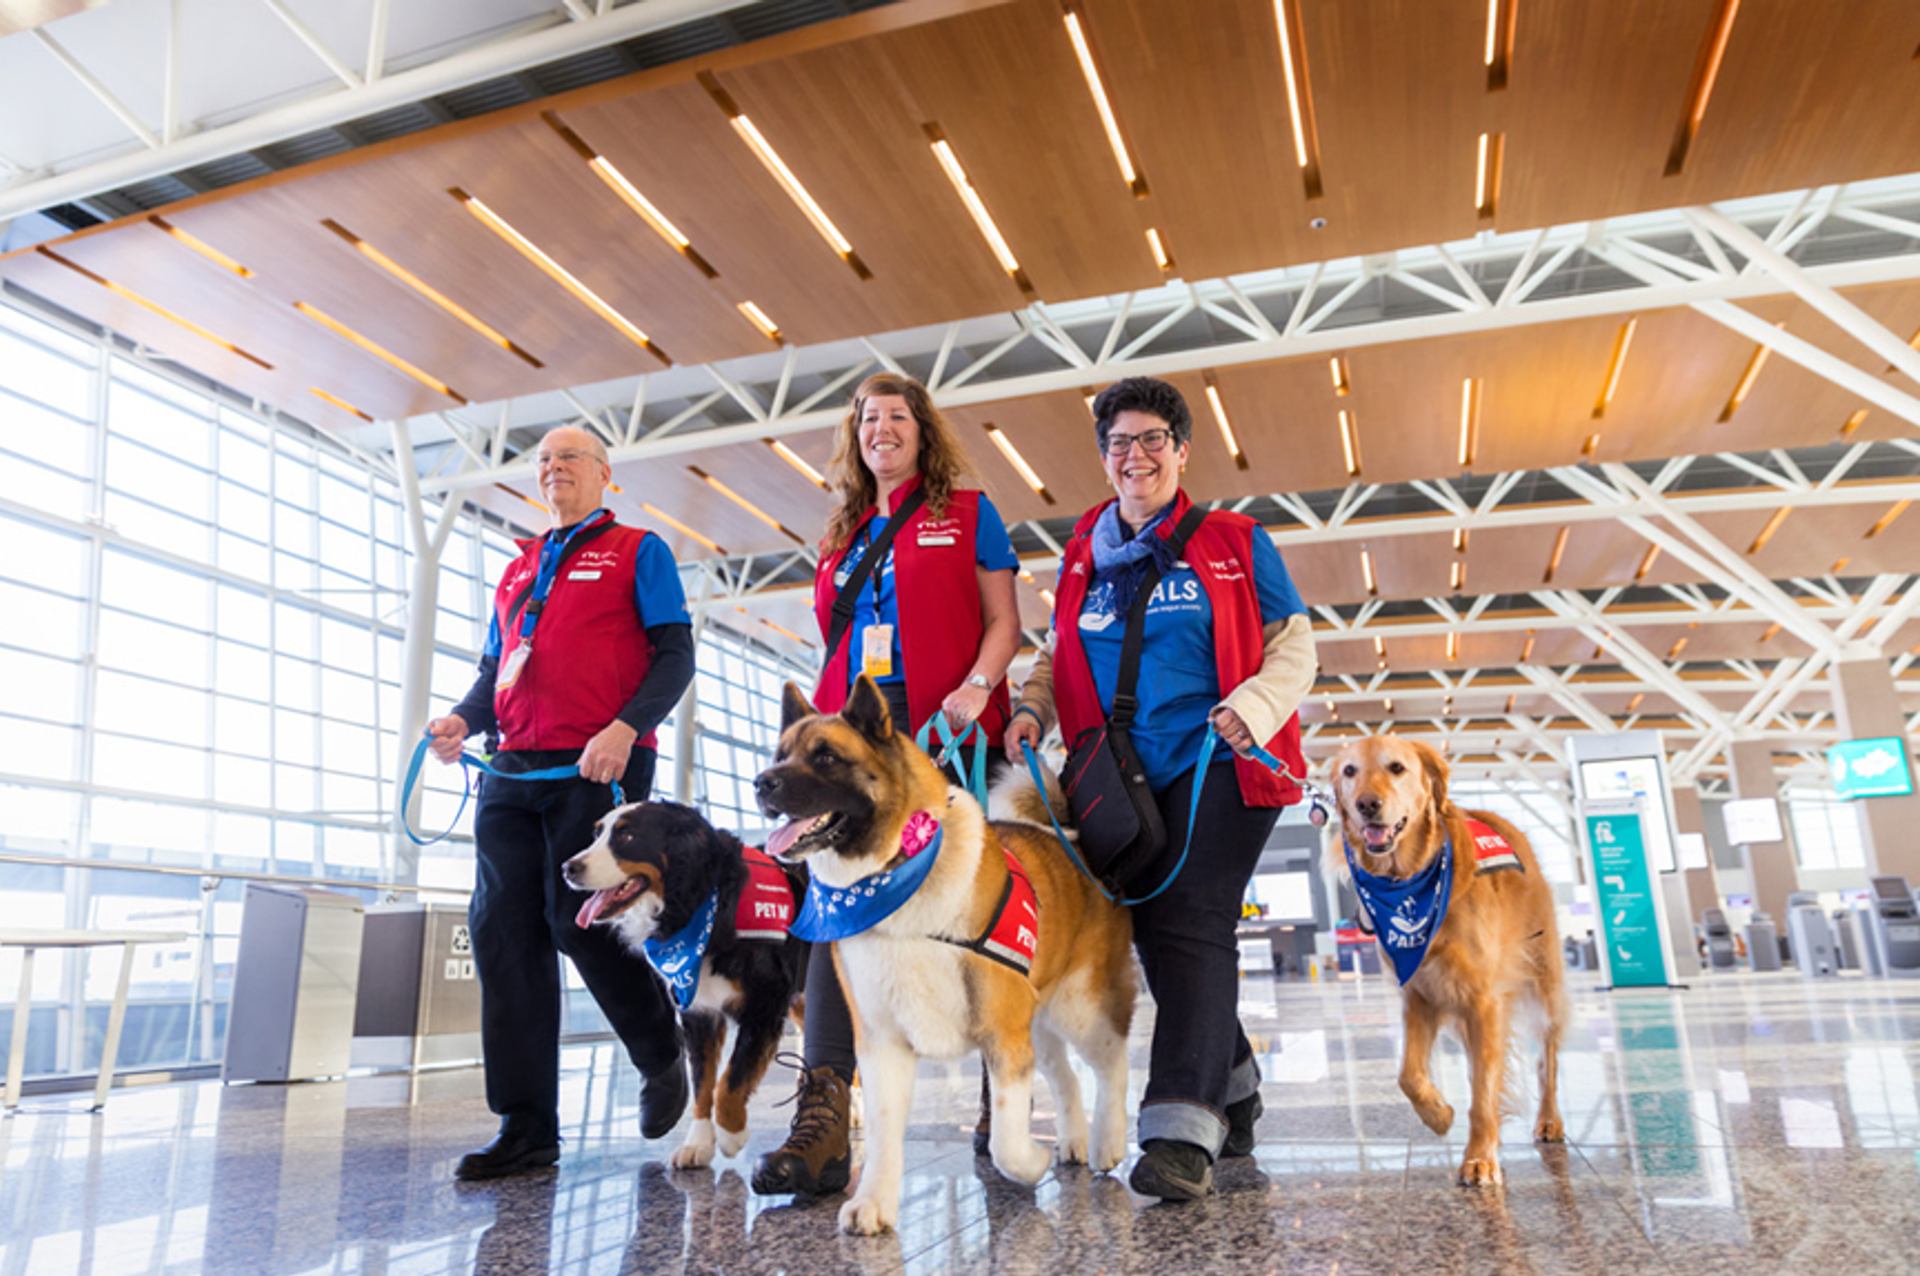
(829, 1031)
(1185, 939)
(521, 919)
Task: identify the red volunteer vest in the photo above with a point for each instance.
(765, 910)
(940, 617)
(590, 651)
(1221, 555)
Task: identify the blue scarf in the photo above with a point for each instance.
(834, 912)
(1122, 561)
(1406, 911)
(677, 956)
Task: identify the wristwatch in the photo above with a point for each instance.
(980, 681)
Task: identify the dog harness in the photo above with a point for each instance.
(765, 911)
(1491, 850)
(1014, 931)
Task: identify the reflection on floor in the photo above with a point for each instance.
(1754, 1124)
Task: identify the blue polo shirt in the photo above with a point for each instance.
(1179, 672)
(656, 587)
(878, 604)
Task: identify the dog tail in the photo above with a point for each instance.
(1014, 799)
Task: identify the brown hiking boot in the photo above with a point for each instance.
(817, 1157)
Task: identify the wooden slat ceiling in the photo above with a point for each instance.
(24, 15)
(1398, 89)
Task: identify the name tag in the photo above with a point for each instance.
(583, 575)
(937, 540)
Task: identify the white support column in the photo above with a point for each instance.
(417, 658)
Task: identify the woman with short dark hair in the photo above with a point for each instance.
(1227, 645)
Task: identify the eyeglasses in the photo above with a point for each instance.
(566, 456)
(1150, 441)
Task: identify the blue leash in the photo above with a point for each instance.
(1257, 753)
(469, 763)
(976, 776)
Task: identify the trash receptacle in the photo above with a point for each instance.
(1763, 943)
(419, 995)
(294, 984)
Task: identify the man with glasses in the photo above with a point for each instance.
(589, 649)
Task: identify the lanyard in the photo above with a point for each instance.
(552, 554)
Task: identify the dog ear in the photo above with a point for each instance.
(1436, 768)
(794, 706)
(867, 710)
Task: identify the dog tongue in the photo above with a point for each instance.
(1377, 836)
(591, 909)
(787, 834)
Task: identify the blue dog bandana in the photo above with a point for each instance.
(833, 912)
(677, 957)
(1406, 912)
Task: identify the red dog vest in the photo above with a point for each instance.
(765, 910)
(1013, 933)
(1491, 851)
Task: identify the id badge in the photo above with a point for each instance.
(876, 659)
(513, 666)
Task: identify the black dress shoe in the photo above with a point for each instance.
(509, 1153)
(663, 1097)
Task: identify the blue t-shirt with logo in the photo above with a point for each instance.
(1179, 672)
(878, 604)
(657, 591)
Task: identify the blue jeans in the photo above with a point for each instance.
(1201, 1061)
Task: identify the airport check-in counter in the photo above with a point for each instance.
(1720, 954)
(1814, 948)
(419, 996)
(1894, 924)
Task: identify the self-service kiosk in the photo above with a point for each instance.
(1895, 926)
(1720, 955)
(1814, 949)
(1844, 942)
(1763, 943)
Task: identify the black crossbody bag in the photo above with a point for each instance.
(1121, 831)
(869, 563)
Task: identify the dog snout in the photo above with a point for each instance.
(767, 789)
(1368, 805)
(572, 871)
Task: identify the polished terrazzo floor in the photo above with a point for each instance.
(1752, 1124)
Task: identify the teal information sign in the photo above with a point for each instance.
(1623, 892)
(1870, 768)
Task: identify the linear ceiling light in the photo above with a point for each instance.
(629, 194)
(777, 168)
(1839, 565)
(1046, 596)
(1090, 71)
(1705, 68)
(1771, 632)
(1386, 703)
(759, 319)
(1159, 250)
(746, 504)
(1768, 528)
(1615, 361)
(338, 402)
(1853, 422)
(1453, 649)
(1379, 645)
(1350, 444)
(1590, 446)
(1373, 585)
(1881, 524)
(784, 632)
(1673, 652)
(147, 303)
(1469, 418)
(429, 292)
(1457, 576)
(377, 350)
(1486, 174)
(1338, 366)
(1293, 63)
(1526, 651)
(1226, 427)
(202, 247)
(1553, 559)
(1499, 44)
(681, 527)
(559, 274)
(1633, 705)
(797, 461)
(1459, 540)
(1647, 561)
(976, 207)
(1018, 462)
(1748, 375)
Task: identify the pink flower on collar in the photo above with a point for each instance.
(919, 831)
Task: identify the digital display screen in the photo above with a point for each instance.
(1751, 821)
(1634, 778)
(1870, 768)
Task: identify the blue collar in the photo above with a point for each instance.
(833, 912)
(677, 956)
(1406, 911)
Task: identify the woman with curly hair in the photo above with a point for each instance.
(911, 562)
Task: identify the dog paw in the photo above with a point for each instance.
(1023, 1164)
(696, 1150)
(1109, 1149)
(862, 1216)
(730, 1142)
(1436, 1114)
(1071, 1149)
(1481, 1171)
(1550, 1129)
